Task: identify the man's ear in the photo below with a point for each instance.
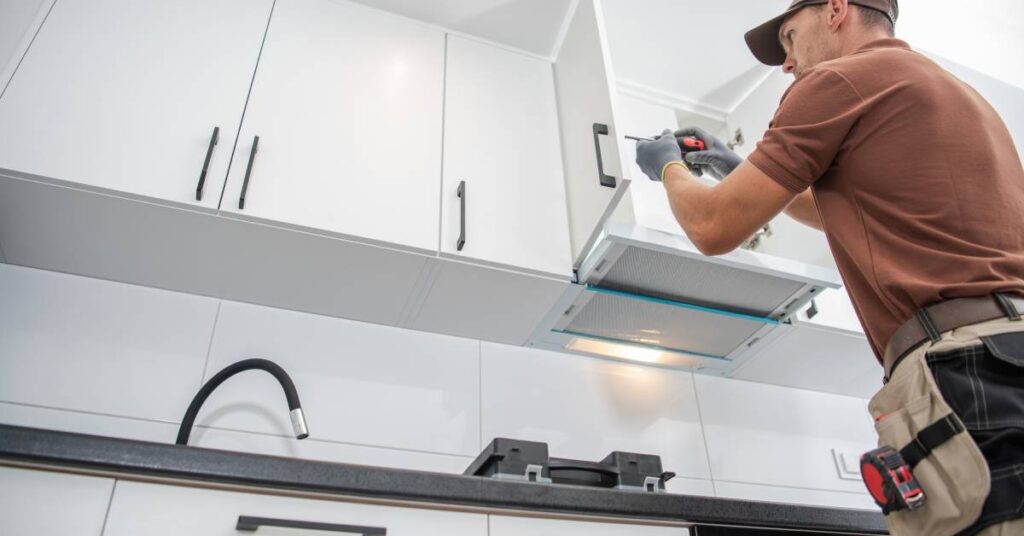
(836, 12)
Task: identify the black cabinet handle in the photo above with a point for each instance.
(206, 163)
(248, 171)
(605, 180)
(462, 216)
(251, 524)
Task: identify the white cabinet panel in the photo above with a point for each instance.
(149, 509)
(347, 105)
(749, 427)
(486, 303)
(40, 503)
(584, 87)
(125, 94)
(806, 356)
(90, 345)
(501, 140)
(358, 383)
(519, 526)
(585, 408)
(806, 497)
(19, 21)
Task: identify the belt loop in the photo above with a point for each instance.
(926, 322)
(1007, 306)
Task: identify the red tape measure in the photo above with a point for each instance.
(890, 481)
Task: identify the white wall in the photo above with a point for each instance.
(105, 358)
(18, 23)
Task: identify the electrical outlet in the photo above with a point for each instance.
(847, 464)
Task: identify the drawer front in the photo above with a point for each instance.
(41, 503)
(140, 509)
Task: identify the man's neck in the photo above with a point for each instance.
(855, 43)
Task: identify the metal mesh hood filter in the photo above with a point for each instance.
(654, 323)
(671, 277)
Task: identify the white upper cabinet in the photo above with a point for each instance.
(347, 108)
(125, 95)
(591, 143)
(504, 192)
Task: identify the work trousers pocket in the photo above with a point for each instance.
(984, 385)
(955, 477)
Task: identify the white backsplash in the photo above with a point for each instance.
(91, 356)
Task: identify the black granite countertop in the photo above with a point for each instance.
(126, 458)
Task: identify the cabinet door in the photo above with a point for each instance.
(504, 192)
(347, 108)
(42, 503)
(516, 526)
(139, 509)
(591, 143)
(125, 95)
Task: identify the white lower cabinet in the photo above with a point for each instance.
(42, 503)
(522, 526)
(140, 509)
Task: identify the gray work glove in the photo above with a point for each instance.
(717, 159)
(654, 156)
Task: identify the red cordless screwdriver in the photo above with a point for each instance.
(688, 144)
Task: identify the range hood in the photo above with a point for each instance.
(647, 295)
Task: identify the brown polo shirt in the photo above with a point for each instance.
(918, 183)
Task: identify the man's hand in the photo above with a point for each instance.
(716, 159)
(654, 156)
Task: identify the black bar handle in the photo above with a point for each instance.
(251, 524)
(605, 180)
(248, 171)
(462, 216)
(206, 163)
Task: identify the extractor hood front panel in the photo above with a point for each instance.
(656, 323)
(662, 275)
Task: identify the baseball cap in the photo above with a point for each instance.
(764, 40)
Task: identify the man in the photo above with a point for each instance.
(917, 184)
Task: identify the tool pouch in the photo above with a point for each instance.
(911, 414)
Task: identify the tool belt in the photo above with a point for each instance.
(931, 322)
(888, 473)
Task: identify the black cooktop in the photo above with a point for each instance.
(515, 459)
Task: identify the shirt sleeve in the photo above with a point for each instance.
(808, 130)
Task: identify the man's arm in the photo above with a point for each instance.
(717, 219)
(804, 210)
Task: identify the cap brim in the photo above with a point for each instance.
(763, 41)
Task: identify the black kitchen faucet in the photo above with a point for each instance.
(298, 419)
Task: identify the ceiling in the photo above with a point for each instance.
(530, 25)
(694, 50)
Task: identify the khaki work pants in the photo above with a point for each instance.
(955, 477)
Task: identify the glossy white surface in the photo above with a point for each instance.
(358, 383)
(749, 427)
(150, 509)
(860, 500)
(78, 343)
(585, 408)
(819, 358)
(347, 103)
(41, 503)
(124, 95)
(584, 84)
(530, 25)
(249, 442)
(507, 150)
(485, 303)
(518, 526)
(19, 20)
(834, 310)
(663, 44)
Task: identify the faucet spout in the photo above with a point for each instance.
(298, 419)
